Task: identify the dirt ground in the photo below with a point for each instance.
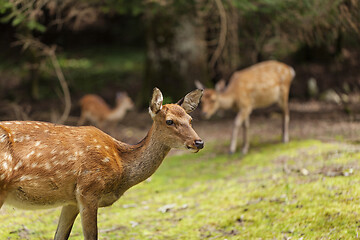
(308, 120)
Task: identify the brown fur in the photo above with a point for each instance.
(45, 165)
(96, 110)
(258, 86)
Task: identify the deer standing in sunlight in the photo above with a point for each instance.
(95, 109)
(44, 165)
(258, 86)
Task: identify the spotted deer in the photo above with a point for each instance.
(258, 86)
(96, 110)
(44, 165)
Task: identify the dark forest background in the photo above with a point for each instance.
(54, 52)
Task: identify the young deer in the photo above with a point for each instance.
(95, 109)
(255, 87)
(44, 165)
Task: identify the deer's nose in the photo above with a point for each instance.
(199, 144)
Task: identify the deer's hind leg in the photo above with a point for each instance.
(284, 104)
(2, 197)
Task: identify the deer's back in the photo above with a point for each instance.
(94, 107)
(261, 84)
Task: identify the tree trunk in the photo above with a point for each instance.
(176, 55)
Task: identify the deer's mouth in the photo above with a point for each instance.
(192, 149)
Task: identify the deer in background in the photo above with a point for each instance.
(44, 165)
(95, 109)
(258, 86)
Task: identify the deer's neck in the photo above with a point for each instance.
(117, 113)
(142, 160)
(226, 99)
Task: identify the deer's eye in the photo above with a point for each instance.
(169, 122)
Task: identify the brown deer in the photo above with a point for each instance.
(95, 109)
(44, 165)
(258, 86)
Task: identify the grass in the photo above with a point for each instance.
(306, 189)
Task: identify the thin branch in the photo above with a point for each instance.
(63, 83)
(222, 36)
(50, 52)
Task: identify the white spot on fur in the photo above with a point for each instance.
(47, 166)
(7, 156)
(98, 146)
(38, 154)
(46, 130)
(18, 123)
(18, 165)
(31, 153)
(37, 143)
(8, 123)
(106, 147)
(5, 165)
(20, 139)
(28, 123)
(34, 165)
(27, 137)
(2, 176)
(43, 146)
(24, 178)
(36, 126)
(53, 151)
(105, 160)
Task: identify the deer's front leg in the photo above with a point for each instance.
(82, 119)
(240, 117)
(66, 221)
(88, 212)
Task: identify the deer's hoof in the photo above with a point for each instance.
(244, 151)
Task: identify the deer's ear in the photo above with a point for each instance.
(120, 94)
(191, 100)
(220, 85)
(156, 102)
(199, 85)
